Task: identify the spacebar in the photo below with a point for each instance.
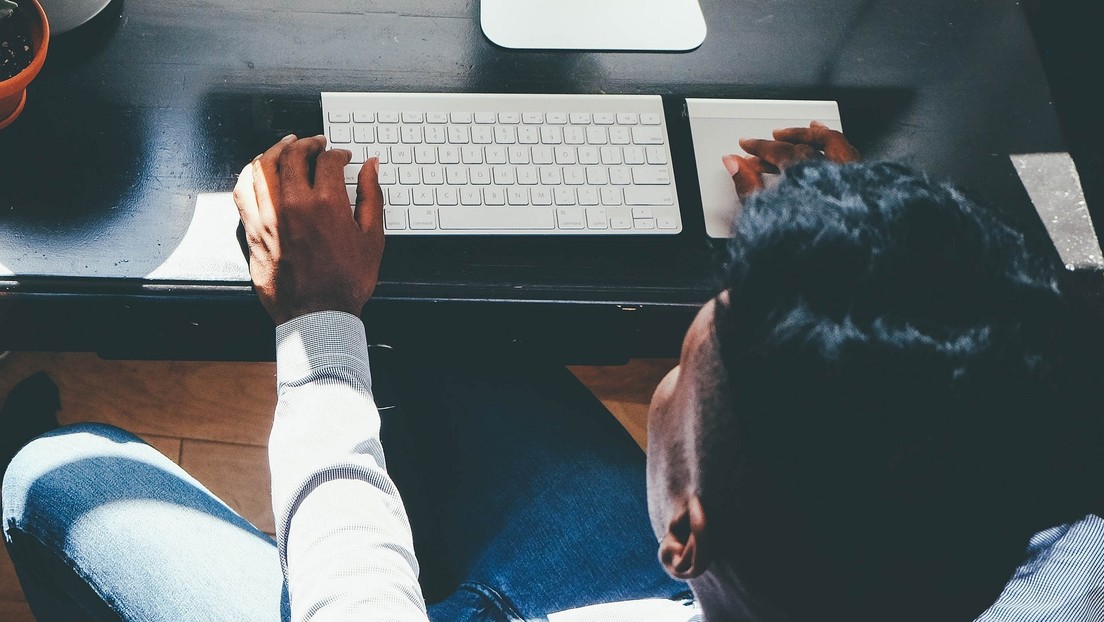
(497, 218)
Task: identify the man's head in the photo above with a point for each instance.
(876, 408)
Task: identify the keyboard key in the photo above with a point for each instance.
(620, 175)
(505, 134)
(494, 195)
(627, 118)
(458, 135)
(388, 175)
(447, 195)
(620, 135)
(556, 118)
(540, 195)
(497, 218)
(449, 154)
(543, 155)
(611, 155)
(666, 223)
(509, 117)
(402, 155)
(517, 195)
(610, 195)
(596, 135)
(532, 118)
(656, 155)
(341, 134)
(650, 175)
(351, 172)
(644, 223)
(424, 154)
(423, 196)
(410, 134)
(433, 175)
(634, 155)
(411, 117)
(471, 155)
(564, 195)
(437, 118)
(364, 133)
(518, 155)
(604, 118)
(551, 134)
(387, 134)
(456, 175)
(470, 196)
(649, 195)
(651, 118)
(424, 218)
(596, 218)
(588, 195)
(397, 195)
(528, 135)
(394, 218)
(642, 135)
(573, 135)
(482, 135)
(579, 118)
(571, 217)
(387, 117)
(495, 154)
(503, 175)
(340, 117)
(379, 152)
(460, 117)
(485, 118)
(435, 134)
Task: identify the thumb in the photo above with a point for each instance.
(368, 212)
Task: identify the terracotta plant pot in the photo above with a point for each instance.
(13, 91)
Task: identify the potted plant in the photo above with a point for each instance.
(24, 37)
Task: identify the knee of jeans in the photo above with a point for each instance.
(62, 450)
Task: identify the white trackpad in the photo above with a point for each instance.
(717, 125)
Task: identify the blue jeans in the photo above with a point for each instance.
(525, 498)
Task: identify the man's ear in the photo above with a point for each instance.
(683, 551)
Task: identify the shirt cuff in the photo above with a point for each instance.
(318, 340)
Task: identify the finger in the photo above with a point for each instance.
(296, 162)
(329, 177)
(265, 173)
(747, 174)
(778, 153)
(834, 144)
(369, 204)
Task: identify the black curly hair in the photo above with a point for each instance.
(907, 397)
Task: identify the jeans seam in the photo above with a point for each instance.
(68, 563)
(504, 605)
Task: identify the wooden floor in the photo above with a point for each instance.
(213, 419)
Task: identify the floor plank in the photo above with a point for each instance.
(9, 583)
(626, 390)
(15, 611)
(237, 474)
(215, 401)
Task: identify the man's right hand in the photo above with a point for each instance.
(790, 145)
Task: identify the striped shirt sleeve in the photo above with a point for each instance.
(343, 535)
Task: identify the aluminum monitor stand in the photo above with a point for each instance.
(646, 25)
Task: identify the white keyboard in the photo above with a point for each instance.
(474, 164)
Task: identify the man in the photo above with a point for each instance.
(850, 435)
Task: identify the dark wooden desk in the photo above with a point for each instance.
(115, 234)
